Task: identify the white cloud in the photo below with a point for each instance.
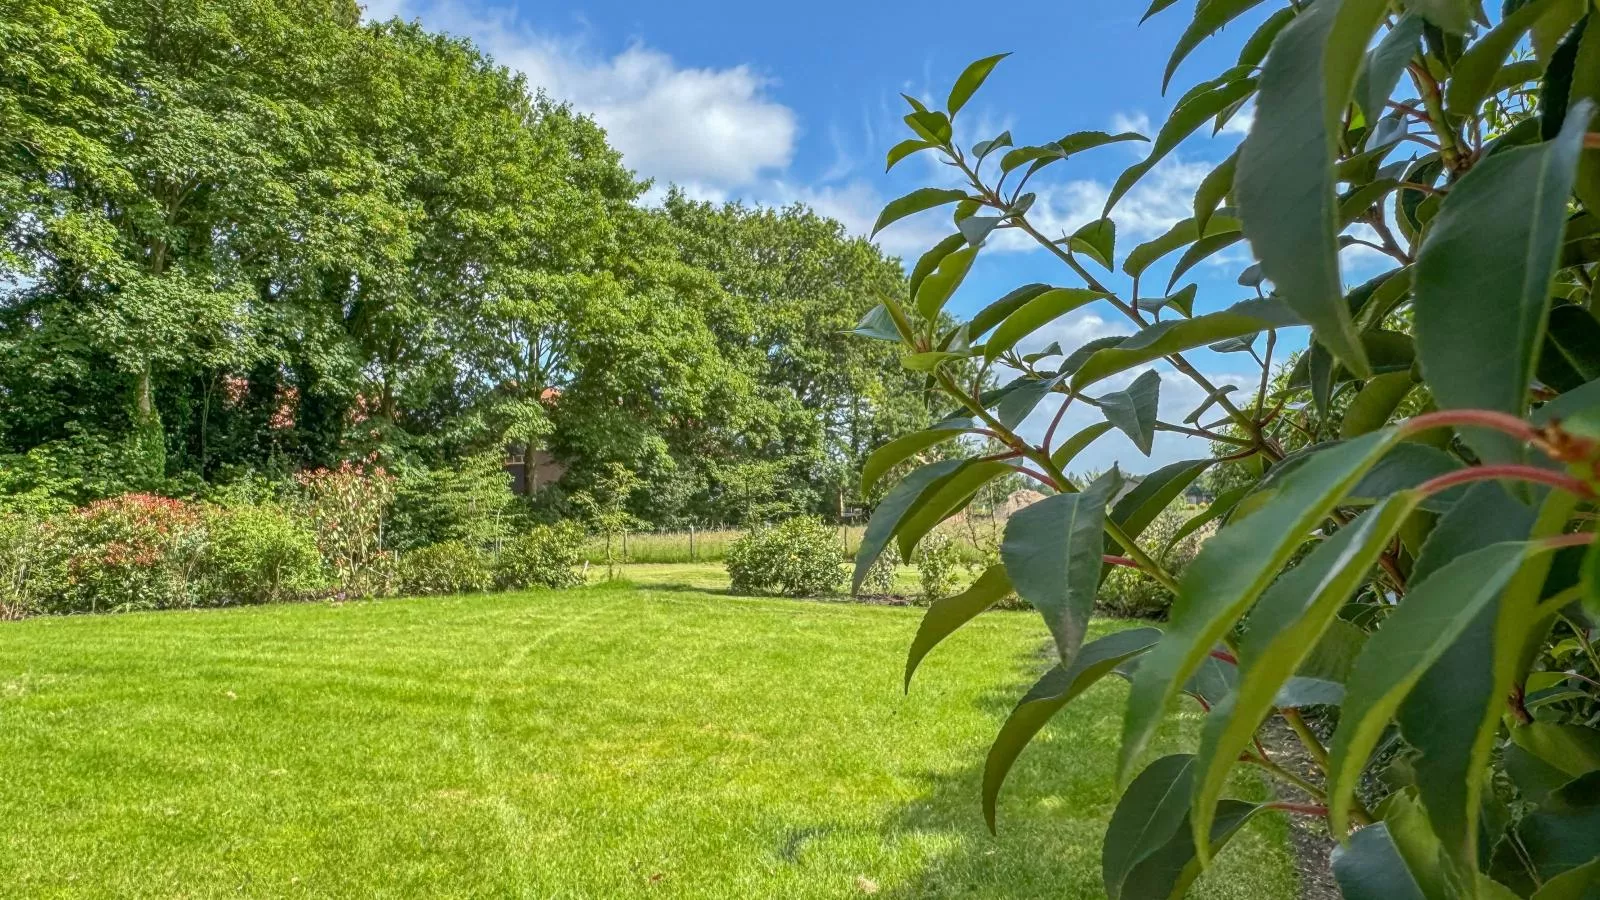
(1241, 121)
(714, 127)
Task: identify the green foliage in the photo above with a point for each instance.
(346, 508)
(796, 558)
(1404, 512)
(880, 580)
(260, 554)
(447, 568)
(542, 556)
(470, 502)
(941, 566)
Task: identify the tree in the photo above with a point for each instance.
(1423, 562)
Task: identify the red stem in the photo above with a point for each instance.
(1042, 479)
(1482, 418)
(1050, 433)
(1581, 539)
(1522, 473)
(1110, 560)
(1304, 809)
(1225, 656)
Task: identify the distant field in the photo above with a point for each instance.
(708, 546)
(615, 741)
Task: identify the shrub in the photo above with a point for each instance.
(345, 508)
(798, 558)
(880, 579)
(259, 554)
(1130, 594)
(448, 568)
(543, 556)
(136, 551)
(941, 566)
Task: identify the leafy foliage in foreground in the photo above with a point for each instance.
(1407, 534)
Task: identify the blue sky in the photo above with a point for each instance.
(776, 103)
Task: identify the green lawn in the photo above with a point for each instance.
(604, 742)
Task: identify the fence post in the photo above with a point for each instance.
(624, 546)
(691, 543)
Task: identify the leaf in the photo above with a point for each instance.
(933, 127)
(902, 448)
(1200, 250)
(1079, 356)
(1232, 570)
(1369, 867)
(1591, 581)
(1072, 446)
(1453, 16)
(1564, 833)
(945, 498)
(1285, 625)
(886, 518)
(878, 324)
(1155, 7)
(1134, 410)
(1570, 356)
(996, 312)
(1385, 64)
(1134, 512)
(946, 615)
(1483, 276)
(1180, 235)
(1209, 17)
(1412, 638)
(1256, 46)
(1573, 750)
(984, 148)
(1185, 119)
(1017, 405)
(1285, 187)
(915, 202)
(1219, 507)
(1034, 314)
(1573, 884)
(1051, 552)
(1079, 141)
(1147, 816)
(904, 149)
(1474, 73)
(929, 262)
(1377, 400)
(1097, 240)
(970, 80)
(1170, 870)
(1059, 686)
(976, 228)
(1165, 338)
(1213, 190)
(936, 289)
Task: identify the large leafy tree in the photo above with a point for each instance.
(1408, 543)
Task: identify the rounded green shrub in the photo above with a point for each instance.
(797, 558)
(543, 556)
(450, 567)
(941, 567)
(880, 581)
(260, 554)
(1128, 593)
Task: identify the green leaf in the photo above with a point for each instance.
(1255, 48)
(1377, 400)
(878, 324)
(933, 127)
(936, 289)
(904, 149)
(1097, 240)
(1209, 17)
(1564, 833)
(1072, 446)
(1582, 883)
(1180, 235)
(1079, 141)
(976, 228)
(902, 448)
(1133, 411)
(1147, 816)
(886, 518)
(944, 499)
(1570, 356)
(1285, 187)
(969, 82)
(1079, 356)
(1183, 122)
(929, 262)
(915, 202)
(1034, 314)
(1059, 686)
(1155, 7)
(1474, 73)
(1369, 867)
(996, 312)
(1454, 16)
(1285, 625)
(1233, 569)
(1219, 507)
(1483, 277)
(1134, 512)
(1412, 638)
(946, 615)
(1591, 581)
(1018, 404)
(1176, 336)
(1051, 552)
(1385, 64)
(1200, 250)
(983, 148)
(1213, 190)
(1574, 750)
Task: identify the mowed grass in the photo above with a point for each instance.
(611, 741)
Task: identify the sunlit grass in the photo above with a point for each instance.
(613, 741)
